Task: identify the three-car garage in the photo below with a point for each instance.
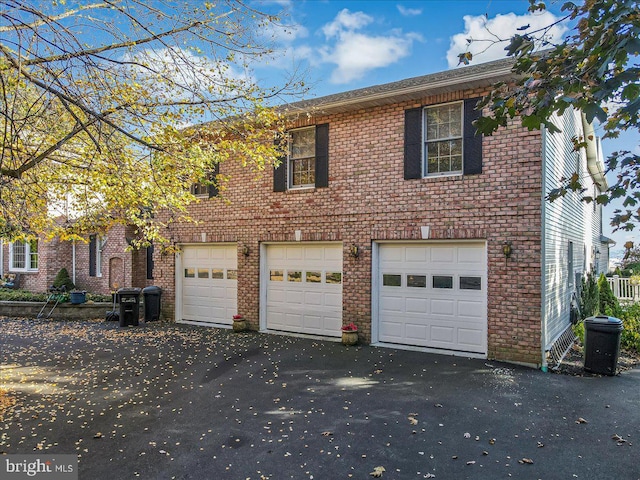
(423, 294)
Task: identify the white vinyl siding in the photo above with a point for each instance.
(567, 219)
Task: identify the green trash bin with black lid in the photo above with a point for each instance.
(602, 344)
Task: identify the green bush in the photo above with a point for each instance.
(22, 296)
(608, 303)
(63, 279)
(630, 338)
(578, 330)
(589, 296)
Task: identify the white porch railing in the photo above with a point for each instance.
(623, 289)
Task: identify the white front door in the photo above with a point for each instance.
(209, 279)
(432, 295)
(303, 284)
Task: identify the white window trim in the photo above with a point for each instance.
(27, 259)
(101, 242)
(290, 185)
(456, 173)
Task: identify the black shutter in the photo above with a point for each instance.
(213, 188)
(150, 262)
(413, 143)
(472, 139)
(280, 172)
(93, 241)
(322, 155)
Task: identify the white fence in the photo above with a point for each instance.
(623, 289)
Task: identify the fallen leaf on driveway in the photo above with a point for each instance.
(412, 421)
(377, 472)
(581, 420)
(526, 460)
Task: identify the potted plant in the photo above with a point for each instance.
(239, 323)
(78, 297)
(350, 334)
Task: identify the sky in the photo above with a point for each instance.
(345, 45)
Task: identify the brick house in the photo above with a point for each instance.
(389, 211)
(100, 265)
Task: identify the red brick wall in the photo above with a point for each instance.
(126, 268)
(368, 200)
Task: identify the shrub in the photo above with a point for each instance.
(22, 296)
(589, 296)
(63, 279)
(630, 337)
(608, 303)
(578, 330)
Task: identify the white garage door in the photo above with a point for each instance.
(209, 283)
(433, 295)
(304, 288)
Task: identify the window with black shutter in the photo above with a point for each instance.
(442, 140)
(307, 162)
(93, 247)
(207, 188)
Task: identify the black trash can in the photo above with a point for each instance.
(602, 344)
(151, 303)
(129, 300)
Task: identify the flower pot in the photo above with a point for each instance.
(78, 297)
(350, 337)
(239, 325)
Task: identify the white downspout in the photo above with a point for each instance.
(543, 252)
(73, 261)
(1, 257)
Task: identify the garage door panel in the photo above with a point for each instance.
(333, 300)
(442, 255)
(419, 332)
(314, 298)
(443, 307)
(442, 334)
(471, 337)
(313, 303)
(470, 309)
(392, 304)
(416, 305)
(432, 295)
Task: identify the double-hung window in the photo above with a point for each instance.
(443, 139)
(306, 164)
(302, 158)
(23, 256)
(96, 247)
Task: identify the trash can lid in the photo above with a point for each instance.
(603, 320)
(129, 290)
(151, 289)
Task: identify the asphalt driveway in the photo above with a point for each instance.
(163, 401)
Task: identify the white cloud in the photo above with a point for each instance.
(355, 53)
(345, 20)
(409, 12)
(485, 32)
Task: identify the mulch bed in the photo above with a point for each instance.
(573, 362)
